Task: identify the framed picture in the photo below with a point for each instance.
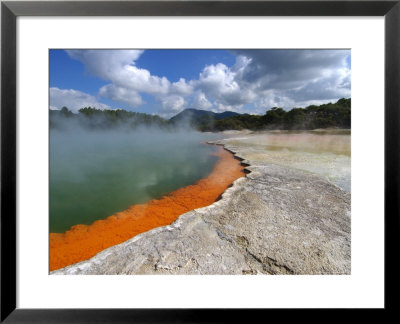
(53, 36)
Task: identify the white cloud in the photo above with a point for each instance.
(293, 78)
(173, 104)
(73, 99)
(264, 78)
(128, 80)
(131, 77)
(118, 66)
(181, 87)
(219, 83)
(105, 64)
(201, 102)
(119, 94)
(284, 78)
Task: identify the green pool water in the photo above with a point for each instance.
(96, 174)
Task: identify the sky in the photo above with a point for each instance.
(165, 82)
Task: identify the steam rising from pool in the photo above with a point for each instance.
(94, 174)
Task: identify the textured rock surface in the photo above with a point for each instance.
(276, 220)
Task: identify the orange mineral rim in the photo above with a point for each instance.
(82, 242)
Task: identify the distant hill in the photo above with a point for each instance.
(225, 114)
(191, 113)
(199, 119)
(337, 114)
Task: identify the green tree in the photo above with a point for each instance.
(295, 119)
(65, 112)
(274, 116)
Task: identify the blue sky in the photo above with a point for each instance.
(165, 82)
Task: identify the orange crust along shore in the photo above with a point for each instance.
(82, 242)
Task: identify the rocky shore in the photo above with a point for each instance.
(278, 219)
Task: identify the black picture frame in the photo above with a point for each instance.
(11, 10)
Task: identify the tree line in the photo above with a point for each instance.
(336, 114)
(93, 118)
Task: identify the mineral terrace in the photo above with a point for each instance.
(290, 214)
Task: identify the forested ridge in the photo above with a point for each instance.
(327, 115)
(90, 117)
(336, 114)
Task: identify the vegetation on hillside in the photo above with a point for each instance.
(336, 114)
(327, 115)
(199, 119)
(93, 118)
